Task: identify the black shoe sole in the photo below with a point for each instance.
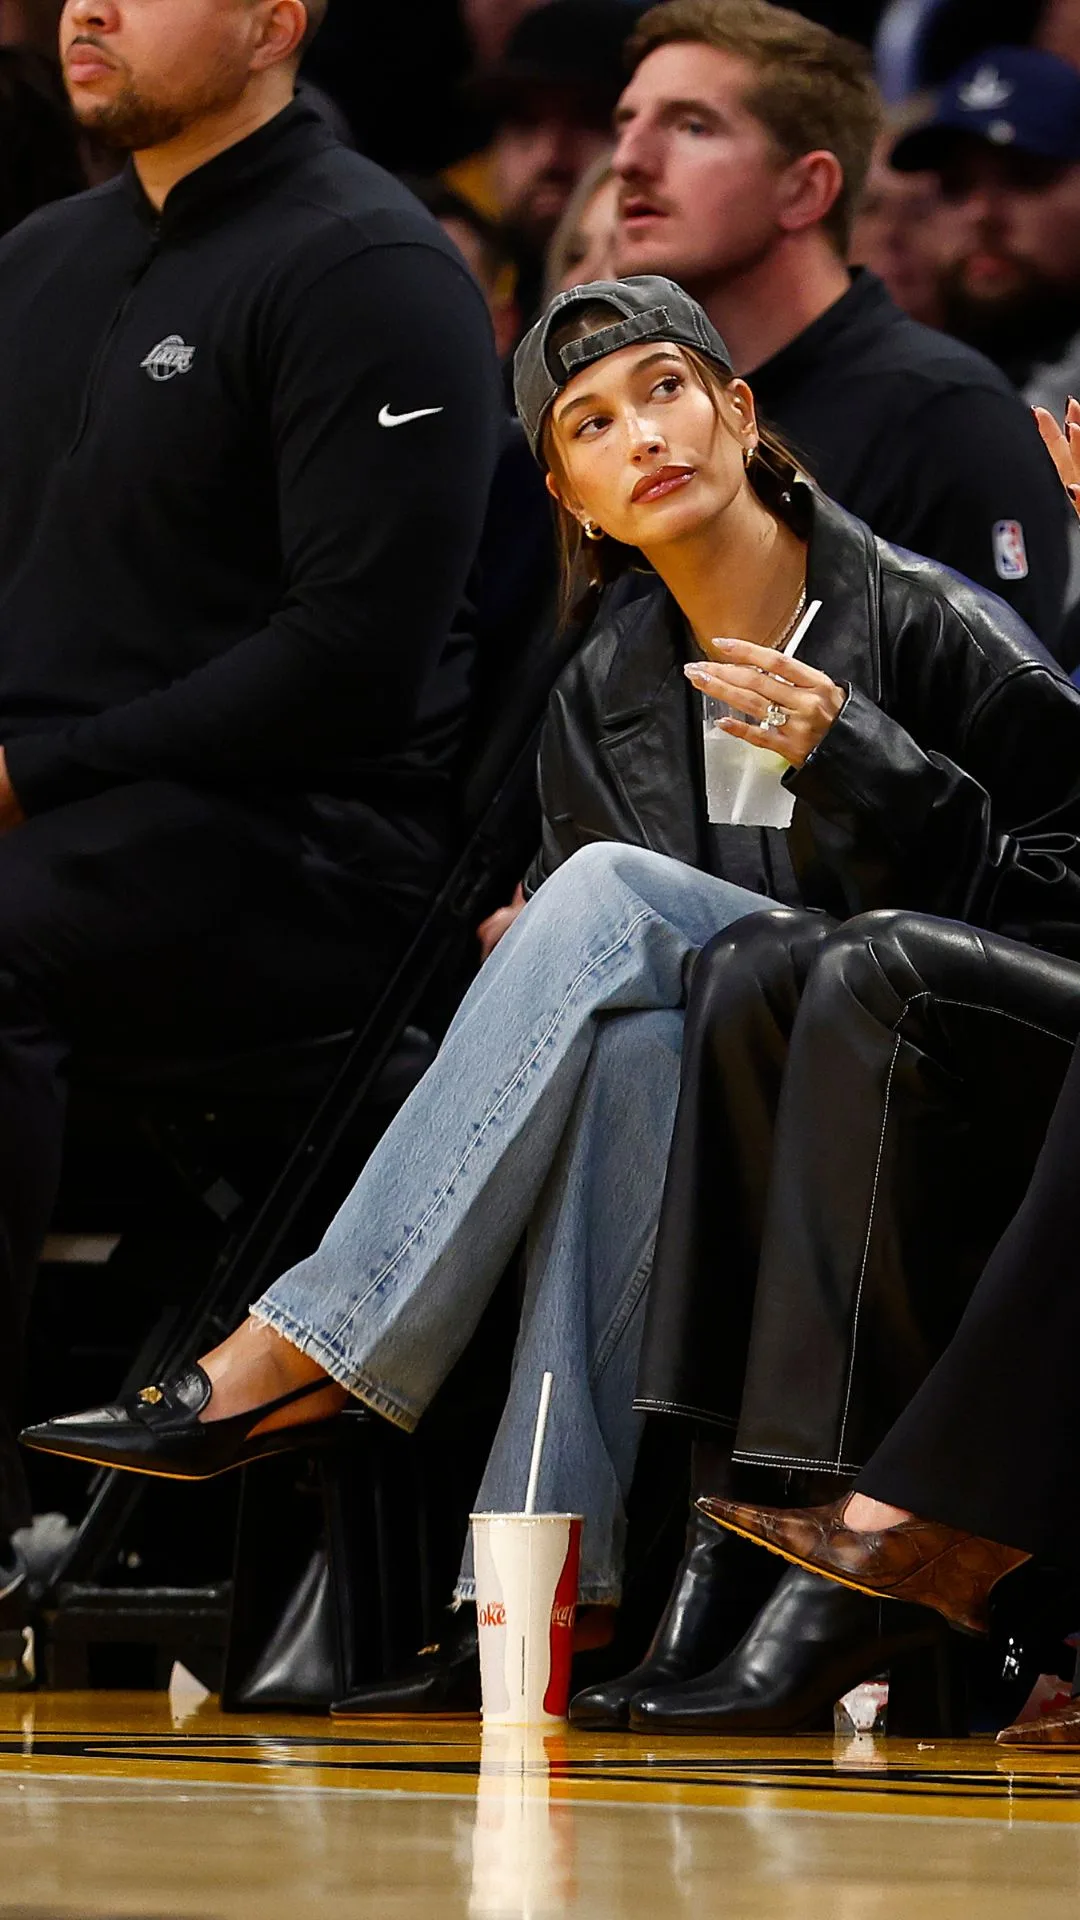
(285, 1440)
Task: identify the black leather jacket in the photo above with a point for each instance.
(949, 784)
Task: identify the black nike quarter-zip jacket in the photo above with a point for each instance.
(245, 455)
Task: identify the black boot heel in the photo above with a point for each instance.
(928, 1692)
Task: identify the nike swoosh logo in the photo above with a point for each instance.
(388, 419)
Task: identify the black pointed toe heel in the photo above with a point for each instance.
(159, 1432)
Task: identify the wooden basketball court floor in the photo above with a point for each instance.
(129, 1807)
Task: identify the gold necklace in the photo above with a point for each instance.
(778, 639)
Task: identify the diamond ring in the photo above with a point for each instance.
(775, 717)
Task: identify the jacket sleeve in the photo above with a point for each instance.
(894, 821)
(379, 523)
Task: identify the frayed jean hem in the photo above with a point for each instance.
(375, 1398)
(594, 1595)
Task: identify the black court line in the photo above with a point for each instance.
(770, 1775)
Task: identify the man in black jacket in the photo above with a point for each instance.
(745, 134)
(248, 408)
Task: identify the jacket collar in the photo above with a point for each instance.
(273, 149)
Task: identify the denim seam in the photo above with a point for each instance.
(617, 1326)
(504, 1096)
(594, 1595)
(357, 1384)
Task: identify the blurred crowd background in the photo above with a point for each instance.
(495, 110)
(498, 113)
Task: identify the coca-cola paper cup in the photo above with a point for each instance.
(526, 1597)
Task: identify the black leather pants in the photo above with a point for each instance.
(862, 1109)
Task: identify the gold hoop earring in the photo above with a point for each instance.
(593, 530)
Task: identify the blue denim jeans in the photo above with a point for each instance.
(548, 1113)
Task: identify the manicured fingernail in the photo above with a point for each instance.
(1072, 401)
(696, 673)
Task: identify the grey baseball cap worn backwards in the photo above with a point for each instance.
(644, 308)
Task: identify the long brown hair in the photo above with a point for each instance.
(587, 566)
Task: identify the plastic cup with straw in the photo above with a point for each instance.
(526, 1598)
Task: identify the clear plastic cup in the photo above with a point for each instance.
(526, 1567)
(742, 782)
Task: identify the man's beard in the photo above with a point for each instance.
(1035, 322)
(134, 122)
(131, 123)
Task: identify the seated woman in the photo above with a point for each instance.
(877, 1095)
(914, 723)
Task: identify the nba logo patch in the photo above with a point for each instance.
(1010, 551)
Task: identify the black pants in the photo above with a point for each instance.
(991, 1441)
(861, 1111)
(152, 919)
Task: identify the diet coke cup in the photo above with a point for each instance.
(526, 1599)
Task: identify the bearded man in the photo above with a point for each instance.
(248, 408)
(1004, 142)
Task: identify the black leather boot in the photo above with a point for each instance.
(718, 1590)
(810, 1644)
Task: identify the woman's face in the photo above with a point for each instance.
(590, 253)
(645, 451)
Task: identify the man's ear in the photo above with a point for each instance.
(283, 34)
(811, 186)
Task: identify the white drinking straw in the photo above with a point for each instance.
(746, 784)
(538, 1443)
(802, 629)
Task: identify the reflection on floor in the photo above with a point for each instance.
(115, 1806)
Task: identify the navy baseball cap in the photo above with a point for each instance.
(1009, 96)
(644, 307)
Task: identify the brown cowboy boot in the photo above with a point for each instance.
(919, 1561)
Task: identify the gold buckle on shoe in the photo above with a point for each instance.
(151, 1396)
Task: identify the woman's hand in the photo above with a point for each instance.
(1063, 446)
(491, 930)
(753, 679)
